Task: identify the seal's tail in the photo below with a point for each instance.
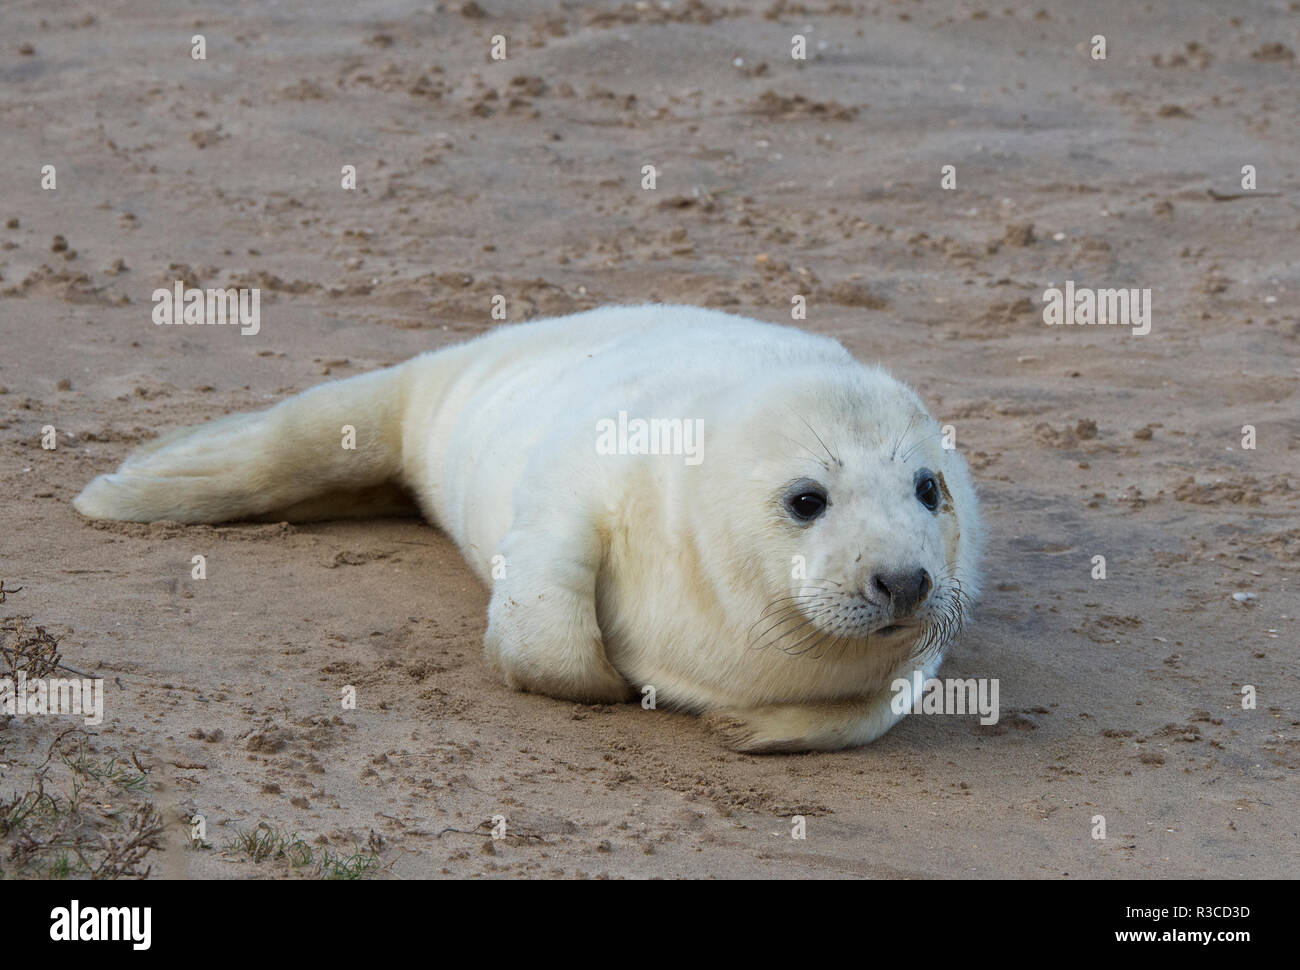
(296, 460)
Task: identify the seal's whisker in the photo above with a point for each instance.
(814, 456)
(787, 603)
(834, 457)
(898, 442)
(828, 649)
(921, 441)
(797, 653)
(831, 581)
(792, 613)
(796, 597)
(810, 620)
(774, 612)
(779, 637)
(947, 577)
(843, 642)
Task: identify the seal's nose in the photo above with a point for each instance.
(904, 591)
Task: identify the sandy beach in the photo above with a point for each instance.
(1120, 697)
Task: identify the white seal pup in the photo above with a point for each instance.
(736, 514)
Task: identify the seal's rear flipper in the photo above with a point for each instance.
(344, 436)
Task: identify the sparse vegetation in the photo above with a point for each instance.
(264, 844)
(84, 833)
(78, 815)
(30, 650)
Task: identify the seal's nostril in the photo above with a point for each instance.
(879, 585)
(902, 591)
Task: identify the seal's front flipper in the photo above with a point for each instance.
(787, 728)
(542, 632)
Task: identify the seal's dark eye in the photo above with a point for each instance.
(927, 490)
(806, 506)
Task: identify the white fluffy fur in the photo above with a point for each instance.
(622, 571)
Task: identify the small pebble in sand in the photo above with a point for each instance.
(1019, 235)
(1244, 597)
(59, 245)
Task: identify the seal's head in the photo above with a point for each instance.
(870, 530)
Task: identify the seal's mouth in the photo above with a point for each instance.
(886, 631)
